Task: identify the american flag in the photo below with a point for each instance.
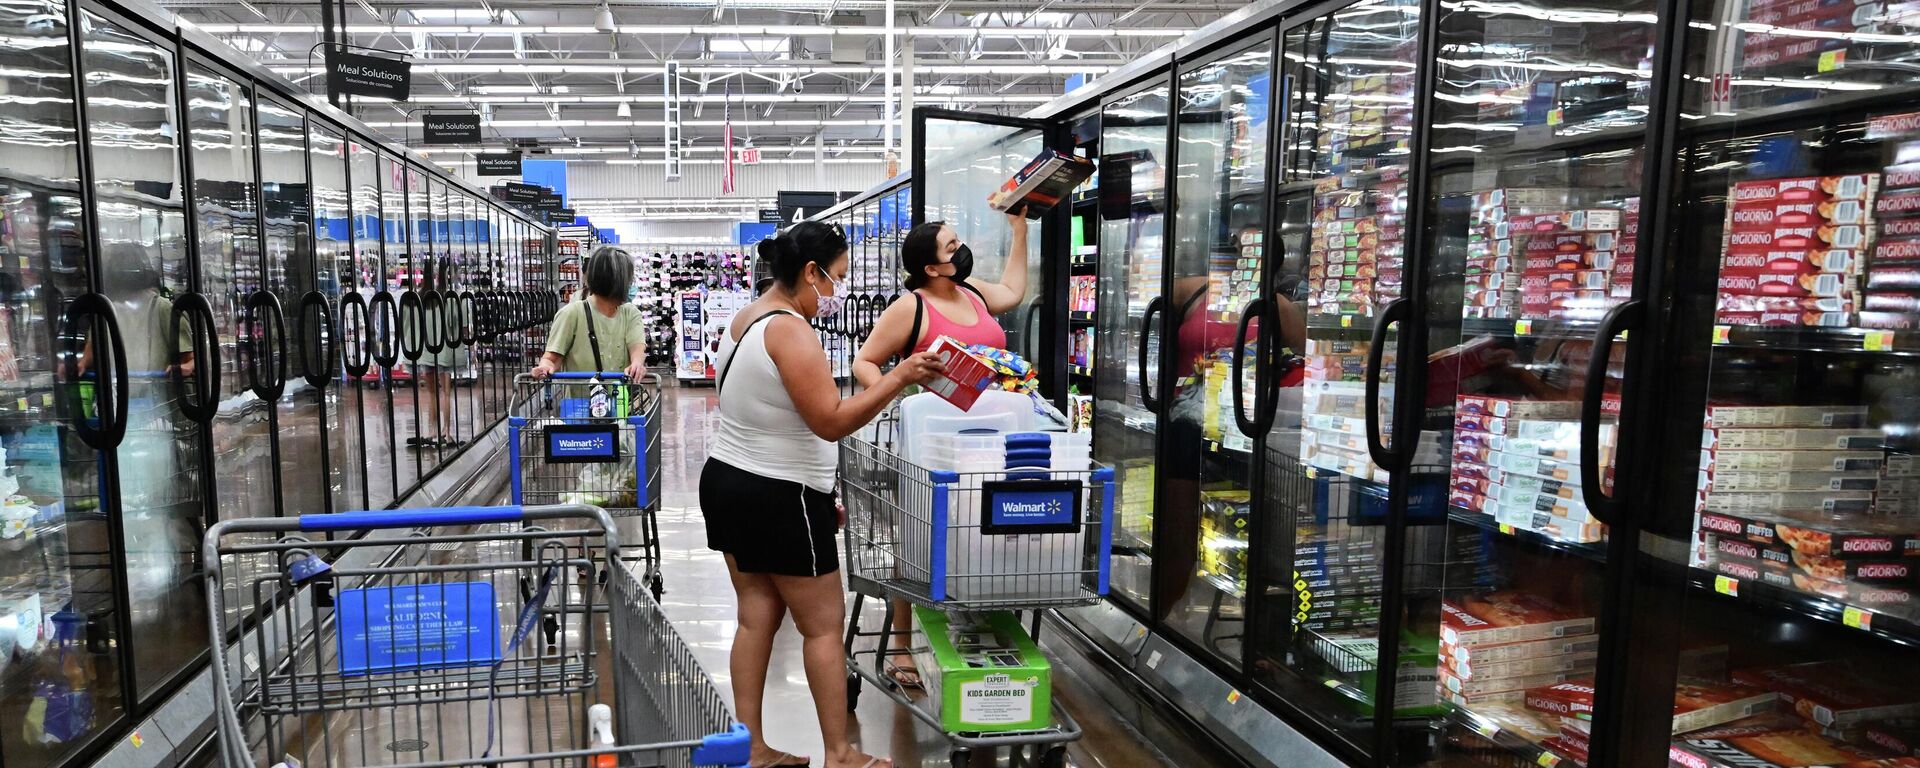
(726, 141)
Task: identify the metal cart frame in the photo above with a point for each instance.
(547, 408)
(909, 536)
(421, 622)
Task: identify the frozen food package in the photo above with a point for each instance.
(1837, 693)
(1508, 616)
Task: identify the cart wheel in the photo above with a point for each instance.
(961, 758)
(1056, 757)
(853, 691)
(658, 586)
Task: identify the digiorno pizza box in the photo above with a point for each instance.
(1841, 537)
(1507, 616)
(1774, 740)
(1834, 694)
(1696, 703)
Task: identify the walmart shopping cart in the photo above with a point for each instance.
(1025, 537)
(409, 641)
(592, 438)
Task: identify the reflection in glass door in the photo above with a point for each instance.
(1133, 205)
(1339, 259)
(286, 196)
(357, 325)
(318, 358)
(139, 207)
(55, 570)
(1220, 218)
(965, 161)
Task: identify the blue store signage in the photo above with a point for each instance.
(1030, 506)
(424, 626)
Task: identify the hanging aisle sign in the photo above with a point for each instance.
(524, 193)
(452, 128)
(499, 164)
(353, 74)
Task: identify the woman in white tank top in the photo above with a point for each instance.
(767, 488)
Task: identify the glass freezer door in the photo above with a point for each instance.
(1797, 238)
(1339, 260)
(1224, 113)
(965, 158)
(1133, 214)
(139, 203)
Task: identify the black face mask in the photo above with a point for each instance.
(962, 264)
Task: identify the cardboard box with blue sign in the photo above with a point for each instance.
(983, 674)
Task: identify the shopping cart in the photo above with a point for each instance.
(407, 639)
(592, 438)
(939, 539)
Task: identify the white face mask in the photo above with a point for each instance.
(830, 305)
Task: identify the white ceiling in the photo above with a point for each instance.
(796, 71)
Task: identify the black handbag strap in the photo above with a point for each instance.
(720, 385)
(593, 339)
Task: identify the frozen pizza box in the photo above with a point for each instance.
(1508, 616)
(1517, 408)
(1778, 480)
(1835, 694)
(1796, 461)
(1452, 682)
(1498, 653)
(1697, 703)
(1822, 502)
(1836, 536)
(1792, 439)
(1773, 416)
(1774, 740)
(1562, 664)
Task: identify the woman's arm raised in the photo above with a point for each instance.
(802, 364)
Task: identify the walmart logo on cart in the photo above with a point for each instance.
(1035, 508)
(1048, 507)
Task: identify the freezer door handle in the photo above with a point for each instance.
(1154, 307)
(412, 326)
(198, 314)
(320, 340)
(433, 321)
(1621, 319)
(1250, 427)
(110, 402)
(1394, 313)
(270, 379)
(354, 305)
(386, 318)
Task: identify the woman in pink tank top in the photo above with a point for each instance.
(944, 299)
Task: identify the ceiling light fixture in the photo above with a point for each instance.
(604, 21)
(625, 110)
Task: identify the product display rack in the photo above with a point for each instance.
(1600, 232)
(663, 274)
(170, 179)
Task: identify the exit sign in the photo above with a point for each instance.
(750, 156)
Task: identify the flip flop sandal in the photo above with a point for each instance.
(785, 760)
(896, 671)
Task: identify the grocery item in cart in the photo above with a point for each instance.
(983, 673)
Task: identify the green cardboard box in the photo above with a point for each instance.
(982, 672)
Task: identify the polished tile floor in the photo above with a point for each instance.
(699, 601)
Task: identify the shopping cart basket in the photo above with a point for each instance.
(1023, 539)
(408, 638)
(592, 438)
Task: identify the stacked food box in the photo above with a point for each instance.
(1223, 537)
(1496, 254)
(1517, 461)
(1828, 713)
(1891, 298)
(1760, 458)
(1568, 263)
(1333, 433)
(1357, 255)
(1495, 646)
(1337, 583)
(1793, 250)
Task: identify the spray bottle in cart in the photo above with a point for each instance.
(600, 722)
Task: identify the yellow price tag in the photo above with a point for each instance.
(1722, 334)
(1506, 529)
(1726, 585)
(1858, 618)
(20, 405)
(1547, 760)
(1832, 60)
(1312, 473)
(1346, 321)
(137, 740)
(1522, 327)
(1233, 697)
(1556, 117)
(1330, 683)
(1878, 341)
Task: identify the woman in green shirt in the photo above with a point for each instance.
(601, 332)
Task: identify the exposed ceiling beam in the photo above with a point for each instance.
(740, 30)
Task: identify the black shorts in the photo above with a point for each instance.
(770, 526)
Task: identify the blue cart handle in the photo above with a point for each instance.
(589, 375)
(411, 518)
